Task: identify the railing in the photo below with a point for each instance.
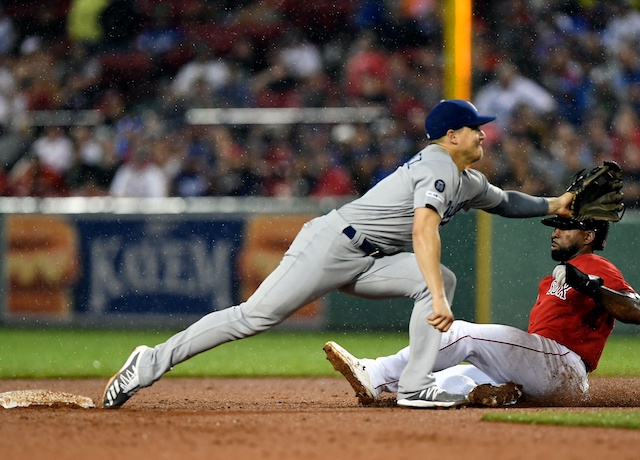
(204, 205)
(215, 116)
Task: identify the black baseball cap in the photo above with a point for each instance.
(601, 227)
(453, 114)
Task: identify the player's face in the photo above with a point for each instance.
(566, 244)
(470, 140)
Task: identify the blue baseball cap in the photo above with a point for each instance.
(453, 114)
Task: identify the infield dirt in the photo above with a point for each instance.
(303, 418)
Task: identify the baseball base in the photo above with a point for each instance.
(26, 398)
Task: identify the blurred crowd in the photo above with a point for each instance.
(563, 77)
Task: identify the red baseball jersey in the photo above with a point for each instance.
(573, 319)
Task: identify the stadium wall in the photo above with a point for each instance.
(104, 262)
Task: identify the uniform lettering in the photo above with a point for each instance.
(558, 291)
(451, 211)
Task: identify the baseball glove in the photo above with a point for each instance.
(598, 193)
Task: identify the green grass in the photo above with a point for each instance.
(64, 353)
(620, 357)
(29, 353)
(608, 419)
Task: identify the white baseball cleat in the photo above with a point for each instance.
(354, 370)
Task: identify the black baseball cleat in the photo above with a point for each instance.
(125, 383)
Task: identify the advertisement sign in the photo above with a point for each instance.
(157, 265)
(141, 270)
(267, 238)
(41, 265)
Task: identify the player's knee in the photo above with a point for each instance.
(450, 281)
(261, 323)
(448, 276)
(256, 320)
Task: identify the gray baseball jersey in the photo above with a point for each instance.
(385, 213)
(331, 252)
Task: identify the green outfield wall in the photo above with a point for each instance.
(520, 258)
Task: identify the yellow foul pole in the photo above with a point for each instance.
(457, 81)
(457, 43)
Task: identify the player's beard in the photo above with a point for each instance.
(564, 254)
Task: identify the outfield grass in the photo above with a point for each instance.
(620, 357)
(30, 353)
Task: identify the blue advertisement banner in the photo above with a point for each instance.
(160, 265)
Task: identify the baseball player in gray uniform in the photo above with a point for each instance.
(360, 249)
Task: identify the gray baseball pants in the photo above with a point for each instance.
(320, 260)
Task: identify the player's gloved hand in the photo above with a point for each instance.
(560, 274)
(580, 281)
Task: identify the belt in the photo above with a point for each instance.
(366, 246)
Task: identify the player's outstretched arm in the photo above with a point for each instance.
(623, 306)
(519, 204)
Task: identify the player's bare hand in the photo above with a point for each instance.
(561, 205)
(442, 317)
